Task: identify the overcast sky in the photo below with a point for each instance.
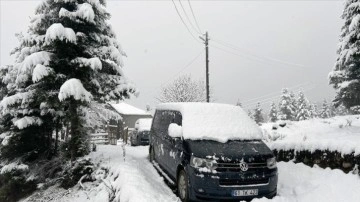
(275, 44)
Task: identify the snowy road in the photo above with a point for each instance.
(135, 180)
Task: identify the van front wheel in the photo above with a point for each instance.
(183, 186)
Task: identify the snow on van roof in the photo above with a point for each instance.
(211, 121)
(143, 124)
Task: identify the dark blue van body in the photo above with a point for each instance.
(232, 171)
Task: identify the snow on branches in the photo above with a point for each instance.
(58, 31)
(93, 63)
(84, 12)
(40, 71)
(74, 88)
(27, 121)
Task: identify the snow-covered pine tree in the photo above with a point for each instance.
(303, 112)
(294, 105)
(285, 106)
(341, 111)
(238, 103)
(250, 114)
(325, 110)
(258, 114)
(345, 75)
(313, 110)
(67, 62)
(273, 113)
(3, 89)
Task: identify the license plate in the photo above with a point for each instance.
(247, 192)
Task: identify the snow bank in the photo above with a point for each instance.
(39, 72)
(332, 134)
(84, 11)
(74, 88)
(27, 121)
(58, 31)
(14, 166)
(143, 124)
(300, 183)
(218, 122)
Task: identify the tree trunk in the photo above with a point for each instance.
(56, 137)
(67, 132)
(74, 126)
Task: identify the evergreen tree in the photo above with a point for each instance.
(303, 112)
(345, 75)
(250, 114)
(341, 111)
(66, 63)
(294, 106)
(285, 106)
(238, 103)
(258, 114)
(313, 110)
(273, 117)
(325, 110)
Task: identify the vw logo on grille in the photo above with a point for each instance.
(244, 166)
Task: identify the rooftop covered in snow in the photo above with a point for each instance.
(211, 121)
(126, 109)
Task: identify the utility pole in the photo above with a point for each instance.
(206, 41)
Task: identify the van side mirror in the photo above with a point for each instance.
(175, 131)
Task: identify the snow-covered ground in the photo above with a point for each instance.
(333, 134)
(135, 180)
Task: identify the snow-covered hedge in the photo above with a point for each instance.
(333, 142)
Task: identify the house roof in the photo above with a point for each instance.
(126, 109)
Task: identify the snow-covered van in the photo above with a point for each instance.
(141, 134)
(211, 152)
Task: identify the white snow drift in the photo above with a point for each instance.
(136, 180)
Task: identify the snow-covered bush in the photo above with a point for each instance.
(74, 172)
(14, 183)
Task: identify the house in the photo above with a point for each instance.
(130, 115)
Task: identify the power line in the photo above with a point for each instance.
(187, 17)
(249, 58)
(183, 69)
(264, 58)
(277, 92)
(182, 20)
(268, 100)
(196, 22)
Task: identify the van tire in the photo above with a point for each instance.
(152, 155)
(183, 186)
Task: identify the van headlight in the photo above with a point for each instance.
(271, 163)
(203, 163)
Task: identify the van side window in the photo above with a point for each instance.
(162, 120)
(178, 118)
(156, 123)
